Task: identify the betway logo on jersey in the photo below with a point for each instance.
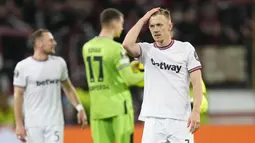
(47, 82)
(165, 66)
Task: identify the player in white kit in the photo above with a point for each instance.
(169, 64)
(37, 93)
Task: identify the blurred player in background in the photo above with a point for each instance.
(6, 111)
(37, 92)
(169, 67)
(109, 75)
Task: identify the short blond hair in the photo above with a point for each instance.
(37, 34)
(164, 12)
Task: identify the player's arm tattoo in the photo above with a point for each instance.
(70, 92)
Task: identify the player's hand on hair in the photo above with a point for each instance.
(21, 133)
(147, 16)
(82, 118)
(194, 121)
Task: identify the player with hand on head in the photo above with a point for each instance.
(37, 93)
(169, 65)
(109, 75)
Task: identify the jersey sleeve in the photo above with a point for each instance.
(121, 59)
(144, 46)
(193, 62)
(64, 74)
(19, 78)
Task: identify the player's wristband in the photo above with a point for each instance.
(79, 107)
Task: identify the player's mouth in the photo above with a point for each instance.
(157, 35)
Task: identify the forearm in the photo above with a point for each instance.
(198, 94)
(131, 37)
(130, 77)
(72, 97)
(18, 104)
(133, 33)
(71, 94)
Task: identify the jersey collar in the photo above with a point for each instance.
(164, 47)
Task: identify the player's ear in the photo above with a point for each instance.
(170, 26)
(39, 42)
(113, 24)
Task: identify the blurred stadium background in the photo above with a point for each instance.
(221, 31)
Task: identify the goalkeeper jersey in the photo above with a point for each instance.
(109, 94)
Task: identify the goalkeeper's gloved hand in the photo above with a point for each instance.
(135, 66)
(138, 67)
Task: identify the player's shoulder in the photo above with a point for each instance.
(56, 58)
(102, 42)
(89, 42)
(187, 46)
(117, 44)
(183, 43)
(119, 47)
(146, 44)
(25, 62)
(113, 44)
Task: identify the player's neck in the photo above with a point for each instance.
(164, 43)
(40, 56)
(106, 33)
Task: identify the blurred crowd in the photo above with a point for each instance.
(73, 22)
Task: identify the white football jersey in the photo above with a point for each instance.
(42, 104)
(166, 79)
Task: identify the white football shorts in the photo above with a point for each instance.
(161, 130)
(47, 134)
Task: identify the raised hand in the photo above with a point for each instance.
(147, 16)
